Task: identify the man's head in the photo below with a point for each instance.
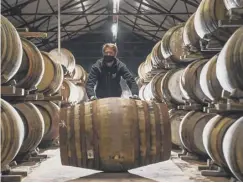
(109, 52)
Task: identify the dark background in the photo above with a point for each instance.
(132, 48)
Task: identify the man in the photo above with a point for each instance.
(106, 74)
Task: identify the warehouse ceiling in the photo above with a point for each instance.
(149, 18)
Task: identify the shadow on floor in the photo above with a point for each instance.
(112, 177)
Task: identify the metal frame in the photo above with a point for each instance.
(128, 18)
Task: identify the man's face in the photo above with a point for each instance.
(110, 52)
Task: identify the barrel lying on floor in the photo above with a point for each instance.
(115, 134)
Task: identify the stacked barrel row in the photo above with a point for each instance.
(211, 135)
(165, 53)
(35, 70)
(180, 45)
(72, 89)
(24, 126)
(168, 58)
(200, 81)
(73, 86)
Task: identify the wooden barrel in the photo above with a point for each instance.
(176, 117)
(79, 73)
(172, 45)
(206, 20)
(141, 71)
(229, 64)
(141, 92)
(190, 36)
(32, 66)
(209, 82)
(190, 82)
(115, 134)
(52, 78)
(148, 64)
(233, 148)
(65, 58)
(51, 115)
(82, 95)
(170, 87)
(213, 135)
(12, 133)
(191, 130)
(229, 4)
(147, 92)
(34, 126)
(139, 82)
(145, 67)
(158, 60)
(156, 87)
(71, 93)
(152, 90)
(11, 50)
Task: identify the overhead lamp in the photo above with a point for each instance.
(116, 6)
(114, 29)
(116, 3)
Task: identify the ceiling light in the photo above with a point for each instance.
(114, 29)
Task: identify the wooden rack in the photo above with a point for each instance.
(185, 155)
(230, 23)
(231, 103)
(12, 173)
(33, 156)
(235, 18)
(12, 91)
(211, 169)
(211, 45)
(235, 13)
(75, 81)
(190, 106)
(8, 174)
(20, 94)
(33, 34)
(228, 107)
(24, 32)
(192, 56)
(152, 73)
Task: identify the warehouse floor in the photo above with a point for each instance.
(173, 170)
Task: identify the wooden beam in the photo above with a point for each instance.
(33, 34)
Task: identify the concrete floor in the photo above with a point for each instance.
(173, 170)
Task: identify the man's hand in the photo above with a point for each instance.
(93, 98)
(134, 97)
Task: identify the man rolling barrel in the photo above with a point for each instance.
(106, 74)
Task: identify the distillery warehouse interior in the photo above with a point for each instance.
(121, 90)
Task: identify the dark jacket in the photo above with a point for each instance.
(108, 80)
